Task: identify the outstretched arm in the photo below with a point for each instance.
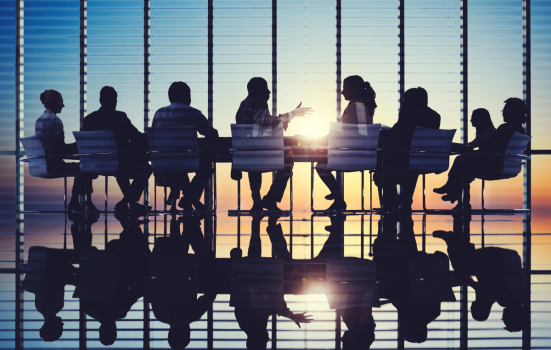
(298, 318)
(297, 112)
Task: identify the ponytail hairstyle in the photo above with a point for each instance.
(364, 92)
(49, 99)
(483, 120)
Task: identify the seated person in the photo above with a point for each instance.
(414, 112)
(360, 110)
(49, 129)
(499, 275)
(179, 113)
(482, 122)
(132, 146)
(514, 115)
(254, 110)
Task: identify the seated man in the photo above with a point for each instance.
(179, 113)
(414, 112)
(49, 130)
(131, 145)
(254, 110)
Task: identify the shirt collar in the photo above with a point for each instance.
(48, 111)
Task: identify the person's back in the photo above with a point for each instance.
(116, 121)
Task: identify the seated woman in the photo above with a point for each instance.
(482, 122)
(514, 115)
(360, 110)
(49, 129)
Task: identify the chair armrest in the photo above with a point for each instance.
(410, 151)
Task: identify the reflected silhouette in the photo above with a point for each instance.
(49, 130)
(414, 112)
(113, 280)
(175, 272)
(131, 145)
(254, 110)
(180, 113)
(47, 273)
(415, 282)
(498, 272)
(360, 110)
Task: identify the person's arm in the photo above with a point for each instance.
(204, 128)
(298, 318)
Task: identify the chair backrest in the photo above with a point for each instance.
(257, 283)
(351, 282)
(178, 149)
(174, 278)
(93, 142)
(517, 144)
(353, 147)
(435, 145)
(37, 263)
(257, 148)
(34, 148)
(97, 277)
(430, 278)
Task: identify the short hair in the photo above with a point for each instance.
(416, 97)
(108, 333)
(52, 329)
(179, 337)
(257, 84)
(178, 90)
(49, 98)
(107, 95)
(517, 107)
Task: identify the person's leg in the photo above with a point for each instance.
(195, 189)
(275, 232)
(255, 245)
(124, 184)
(389, 194)
(278, 186)
(329, 180)
(407, 190)
(255, 183)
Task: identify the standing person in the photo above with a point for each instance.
(254, 110)
(360, 110)
(131, 145)
(49, 130)
(414, 112)
(180, 113)
(514, 115)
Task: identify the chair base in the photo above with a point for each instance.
(258, 212)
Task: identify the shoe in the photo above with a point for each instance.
(445, 235)
(75, 207)
(257, 206)
(121, 207)
(441, 190)
(138, 209)
(270, 205)
(185, 205)
(405, 209)
(337, 205)
(330, 197)
(466, 207)
(449, 198)
(91, 207)
(199, 206)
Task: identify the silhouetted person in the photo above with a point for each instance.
(180, 113)
(253, 320)
(133, 255)
(393, 254)
(254, 110)
(358, 319)
(360, 110)
(131, 145)
(414, 112)
(180, 313)
(49, 129)
(48, 285)
(514, 115)
(499, 275)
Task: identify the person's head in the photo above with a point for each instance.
(236, 253)
(179, 336)
(257, 340)
(416, 97)
(108, 332)
(52, 329)
(258, 87)
(355, 88)
(480, 309)
(52, 100)
(513, 318)
(514, 111)
(359, 339)
(415, 331)
(480, 119)
(108, 97)
(179, 92)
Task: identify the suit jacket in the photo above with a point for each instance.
(408, 120)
